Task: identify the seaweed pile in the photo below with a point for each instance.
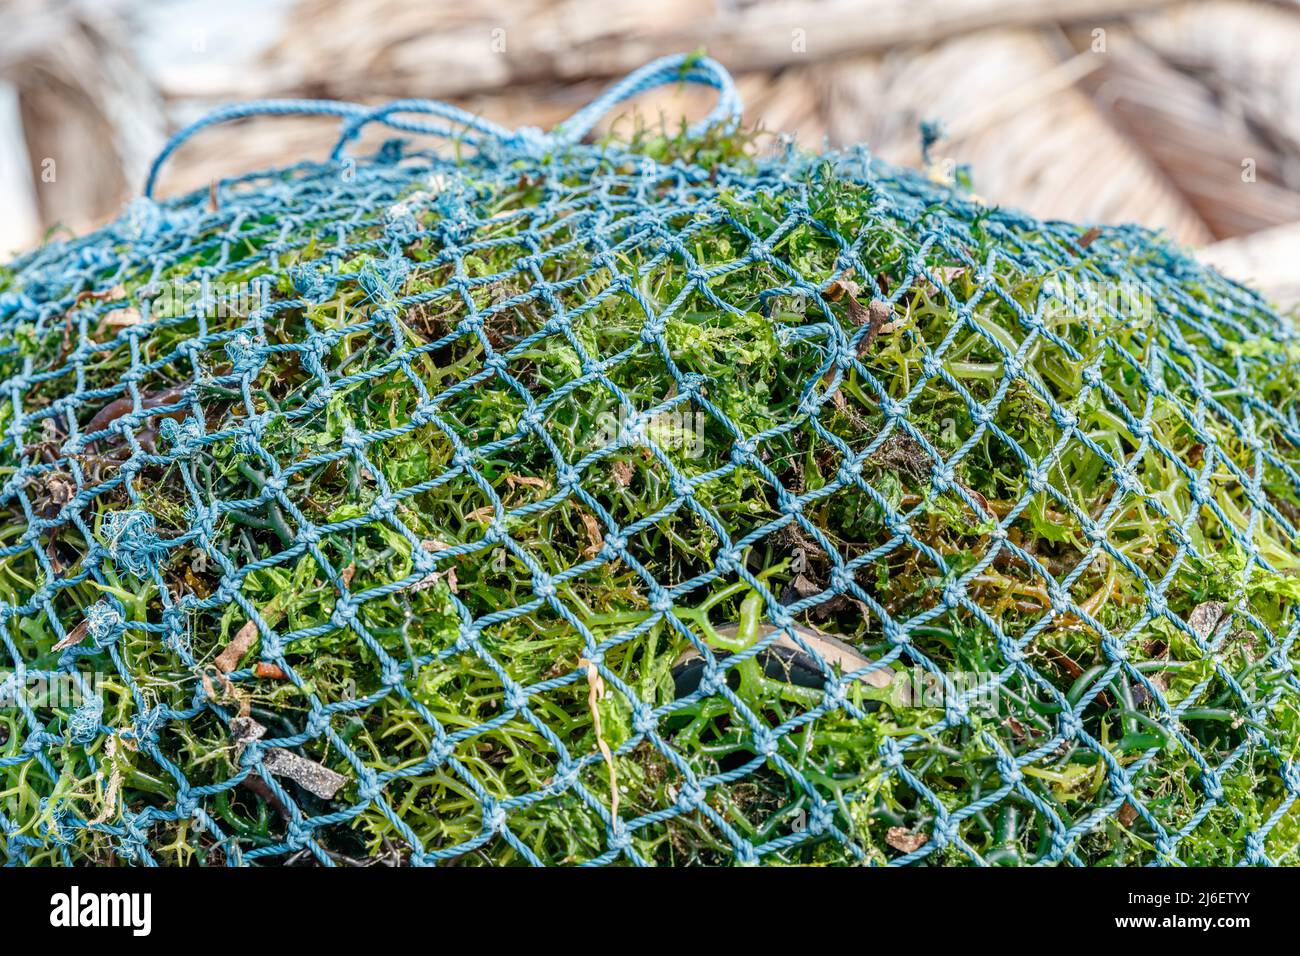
(649, 502)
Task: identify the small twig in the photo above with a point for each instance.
(114, 785)
(230, 656)
(595, 691)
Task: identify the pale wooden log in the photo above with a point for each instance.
(1266, 261)
(91, 119)
(20, 226)
(790, 103)
(1033, 140)
(443, 48)
(1249, 52)
(1197, 139)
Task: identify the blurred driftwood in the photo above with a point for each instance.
(1206, 146)
(1014, 115)
(385, 47)
(1266, 261)
(91, 120)
(1248, 53)
(22, 219)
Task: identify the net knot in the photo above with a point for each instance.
(821, 818)
(104, 624)
(245, 354)
(142, 220)
(383, 278)
(133, 544)
(1008, 770)
(16, 304)
(312, 284)
(84, 723)
(184, 437)
(530, 141)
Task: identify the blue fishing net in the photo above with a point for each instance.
(535, 501)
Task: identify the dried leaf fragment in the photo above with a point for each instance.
(596, 691)
(840, 288)
(1127, 814)
(74, 636)
(879, 314)
(904, 840)
(315, 778)
(229, 658)
(595, 540)
(122, 318)
(116, 292)
(1205, 618)
(434, 545)
(804, 586)
(59, 488)
(858, 314)
(514, 481)
(1088, 238)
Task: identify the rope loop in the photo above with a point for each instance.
(460, 124)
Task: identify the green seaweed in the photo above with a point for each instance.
(1191, 534)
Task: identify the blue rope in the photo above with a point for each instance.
(662, 72)
(665, 71)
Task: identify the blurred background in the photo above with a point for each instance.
(1183, 116)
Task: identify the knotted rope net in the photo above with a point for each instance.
(657, 502)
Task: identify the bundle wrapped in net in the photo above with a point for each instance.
(654, 502)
